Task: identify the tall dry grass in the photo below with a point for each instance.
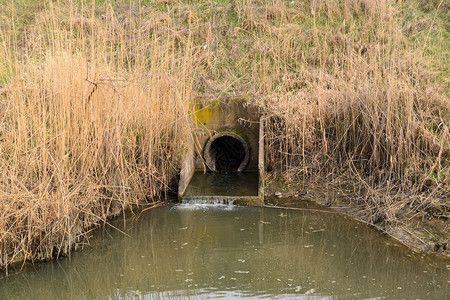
(92, 123)
(95, 110)
(359, 97)
(349, 100)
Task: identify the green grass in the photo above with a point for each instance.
(18, 14)
(427, 25)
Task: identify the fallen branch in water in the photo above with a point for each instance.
(154, 205)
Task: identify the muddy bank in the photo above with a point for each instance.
(420, 231)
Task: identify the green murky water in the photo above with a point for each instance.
(200, 252)
(219, 184)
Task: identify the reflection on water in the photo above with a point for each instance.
(208, 252)
(221, 184)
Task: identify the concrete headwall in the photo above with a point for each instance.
(213, 117)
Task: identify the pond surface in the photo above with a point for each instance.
(199, 252)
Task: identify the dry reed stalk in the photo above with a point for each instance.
(93, 123)
(350, 95)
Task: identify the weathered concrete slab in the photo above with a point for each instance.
(212, 117)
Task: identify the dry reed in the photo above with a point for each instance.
(93, 123)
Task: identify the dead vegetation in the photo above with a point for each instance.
(366, 107)
(95, 106)
(93, 122)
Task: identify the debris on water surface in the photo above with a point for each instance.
(241, 260)
(241, 272)
(298, 288)
(311, 291)
(221, 277)
(308, 246)
(278, 194)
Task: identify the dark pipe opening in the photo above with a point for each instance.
(226, 153)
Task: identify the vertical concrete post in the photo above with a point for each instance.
(187, 169)
(261, 166)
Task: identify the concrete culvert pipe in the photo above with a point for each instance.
(226, 152)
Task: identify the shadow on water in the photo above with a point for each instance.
(222, 184)
(195, 252)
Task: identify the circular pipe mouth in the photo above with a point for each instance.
(226, 152)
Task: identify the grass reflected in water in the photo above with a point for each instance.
(206, 252)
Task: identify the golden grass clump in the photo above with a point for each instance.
(359, 101)
(92, 123)
(350, 100)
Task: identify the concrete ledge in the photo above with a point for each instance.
(227, 200)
